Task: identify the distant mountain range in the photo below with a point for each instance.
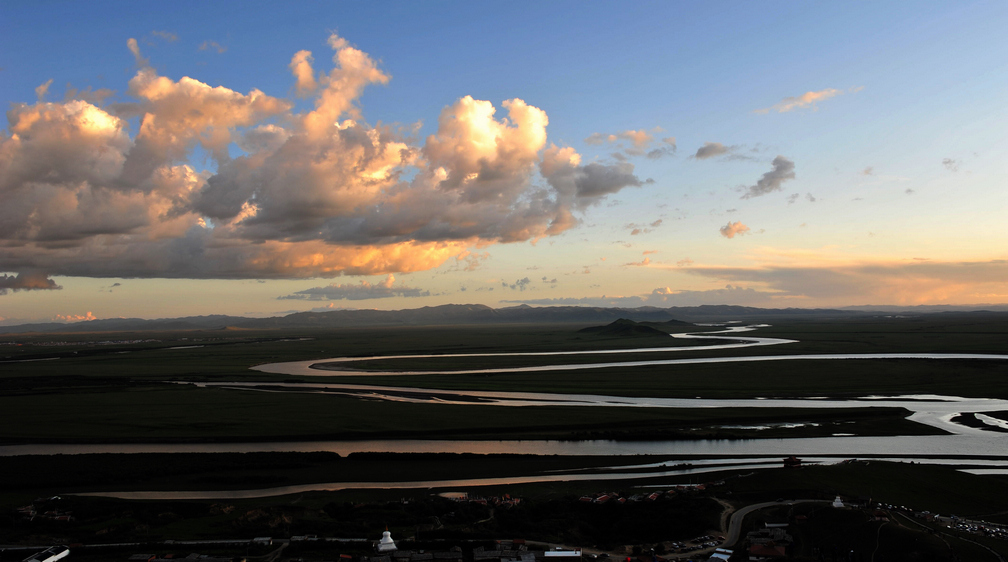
(462, 314)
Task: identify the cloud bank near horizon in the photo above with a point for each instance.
(361, 291)
(910, 283)
(315, 194)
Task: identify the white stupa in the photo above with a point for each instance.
(838, 502)
(386, 544)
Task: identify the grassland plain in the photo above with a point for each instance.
(170, 413)
(110, 387)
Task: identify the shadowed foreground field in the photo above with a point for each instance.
(548, 512)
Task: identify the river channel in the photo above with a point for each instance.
(972, 449)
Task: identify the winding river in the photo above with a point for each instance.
(973, 449)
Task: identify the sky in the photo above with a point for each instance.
(258, 159)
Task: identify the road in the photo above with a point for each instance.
(735, 524)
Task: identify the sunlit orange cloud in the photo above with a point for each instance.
(733, 229)
(301, 67)
(74, 317)
(320, 193)
(317, 259)
(805, 100)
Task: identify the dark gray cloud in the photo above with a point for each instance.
(782, 171)
(596, 180)
(722, 152)
(519, 284)
(667, 148)
(361, 291)
(711, 150)
(26, 281)
(794, 197)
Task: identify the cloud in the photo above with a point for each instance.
(470, 261)
(667, 148)
(165, 35)
(212, 46)
(898, 282)
(301, 67)
(794, 197)
(638, 139)
(578, 187)
(26, 281)
(710, 150)
(597, 180)
(110, 288)
(685, 262)
(909, 282)
(718, 150)
(327, 308)
(663, 297)
(520, 284)
(782, 171)
(69, 318)
(94, 97)
(635, 143)
(134, 48)
(805, 100)
(732, 229)
(362, 291)
(319, 193)
(43, 89)
(636, 229)
(951, 164)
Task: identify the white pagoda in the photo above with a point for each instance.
(386, 544)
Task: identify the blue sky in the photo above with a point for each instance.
(868, 137)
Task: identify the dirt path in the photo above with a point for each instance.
(725, 514)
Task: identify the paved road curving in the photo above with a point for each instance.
(735, 524)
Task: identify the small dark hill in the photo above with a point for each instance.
(670, 324)
(623, 328)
